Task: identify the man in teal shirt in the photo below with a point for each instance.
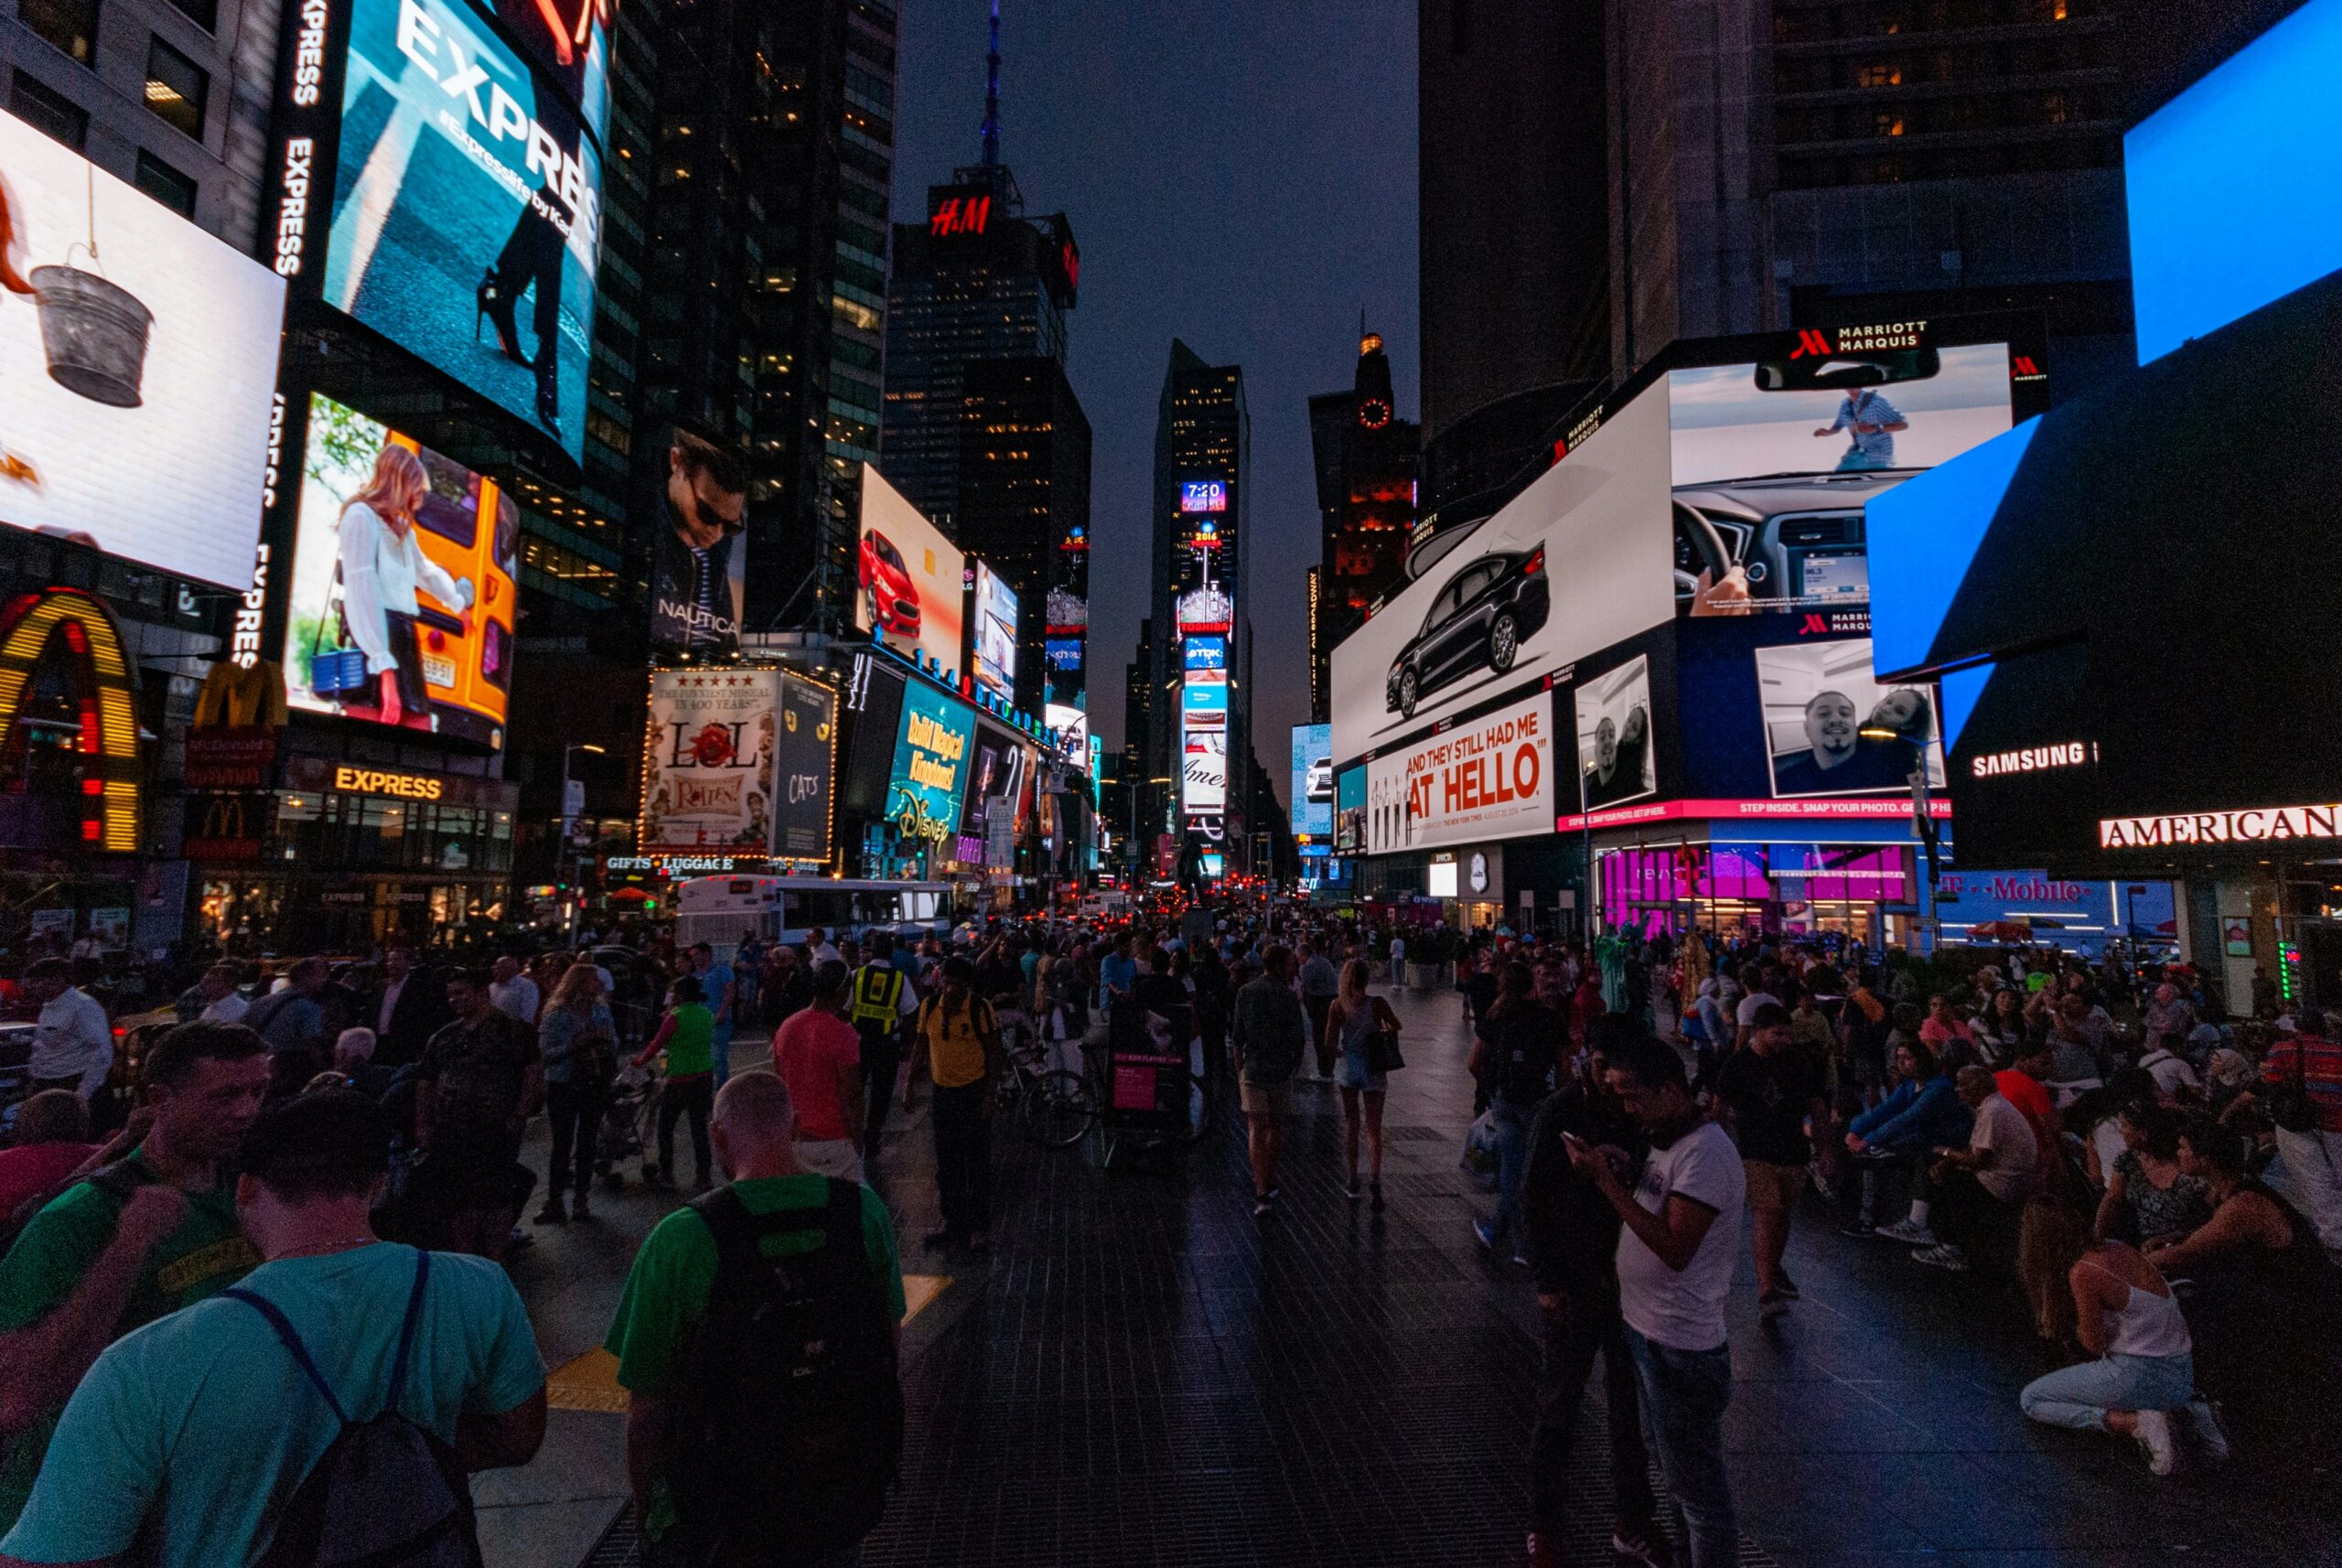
(188, 1436)
(151, 1234)
(667, 1290)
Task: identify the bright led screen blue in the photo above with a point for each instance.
(2232, 183)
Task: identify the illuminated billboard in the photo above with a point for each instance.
(931, 762)
(708, 760)
(1488, 777)
(1206, 609)
(994, 661)
(137, 379)
(401, 593)
(909, 581)
(1831, 729)
(1203, 495)
(699, 560)
(1072, 725)
(1311, 806)
(458, 185)
(1616, 760)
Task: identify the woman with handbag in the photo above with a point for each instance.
(578, 1040)
(381, 564)
(1368, 1033)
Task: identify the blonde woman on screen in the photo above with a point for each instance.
(382, 563)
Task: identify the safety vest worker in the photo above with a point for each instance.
(878, 1001)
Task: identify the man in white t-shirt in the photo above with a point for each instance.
(1676, 1254)
(1966, 1194)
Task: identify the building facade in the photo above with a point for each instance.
(1366, 459)
(1024, 484)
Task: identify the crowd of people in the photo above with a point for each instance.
(320, 1174)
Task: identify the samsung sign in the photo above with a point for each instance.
(2031, 759)
(2261, 825)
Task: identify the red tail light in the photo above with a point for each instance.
(1535, 563)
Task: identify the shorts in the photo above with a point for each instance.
(830, 1157)
(1270, 1101)
(1352, 1072)
(1771, 1185)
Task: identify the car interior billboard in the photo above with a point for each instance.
(1774, 460)
(910, 581)
(1575, 564)
(466, 208)
(401, 591)
(140, 369)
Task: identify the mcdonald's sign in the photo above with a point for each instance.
(98, 680)
(224, 827)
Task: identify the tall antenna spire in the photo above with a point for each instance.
(992, 93)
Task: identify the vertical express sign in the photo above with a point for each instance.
(299, 202)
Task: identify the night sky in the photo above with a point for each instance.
(1238, 175)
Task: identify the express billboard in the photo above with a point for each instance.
(137, 370)
(460, 187)
(1311, 808)
(910, 580)
(400, 590)
(993, 662)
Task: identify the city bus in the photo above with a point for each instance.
(723, 912)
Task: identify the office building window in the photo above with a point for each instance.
(166, 184)
(204, 14)
(176, 88)
(46, 108)
(70, 25)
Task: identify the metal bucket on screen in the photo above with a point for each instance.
(95, 333)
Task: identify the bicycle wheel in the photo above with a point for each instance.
(1058, 1109)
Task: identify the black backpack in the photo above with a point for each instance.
(789, 1416)
(387, 1493)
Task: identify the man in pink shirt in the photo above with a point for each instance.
(819, 1056)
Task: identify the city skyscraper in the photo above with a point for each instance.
(766, 276)
(1023, 480)
(1200, 602)
(976, 280)
(1365, 459)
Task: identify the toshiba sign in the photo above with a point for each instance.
(1488, 778)
(2266, 824)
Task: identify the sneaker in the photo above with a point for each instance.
(1519, 1259)
(2154, 1436)
(551, 1213)
(1943, 1256)
(1860, 1231)
(1263, 1209)
(1487, 1237)
(1635, 1546)
(1376, 1188)
(1773, 1303)
(1351, 1191)
(581, 1209)
(1908, 1232)
(2205, 1417)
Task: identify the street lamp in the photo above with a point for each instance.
(573, 806)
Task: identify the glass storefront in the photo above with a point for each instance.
(1867, 893)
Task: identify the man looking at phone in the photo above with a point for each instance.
(1682, 1217)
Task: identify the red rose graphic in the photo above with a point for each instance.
(711, 747)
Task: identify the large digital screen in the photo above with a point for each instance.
(909, 581)
(804, 770)
(2231, 184)
(1311, 806)
(708, 760)
(401, 607)
(699, 560)
(1575, 564)
(1203, 495)
(1616, 760)
(994, 663)
(1771, 473)
(1072, 725)
(465, 221)
(1831, 729)
(137, 370)
(1488, 778)
(931, 764)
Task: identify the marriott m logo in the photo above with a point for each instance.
(1809, 341)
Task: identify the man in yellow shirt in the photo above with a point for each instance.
(961, 1036)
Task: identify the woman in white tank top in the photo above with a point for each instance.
(2146, 1367)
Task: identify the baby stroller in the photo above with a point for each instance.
(626, 1130)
